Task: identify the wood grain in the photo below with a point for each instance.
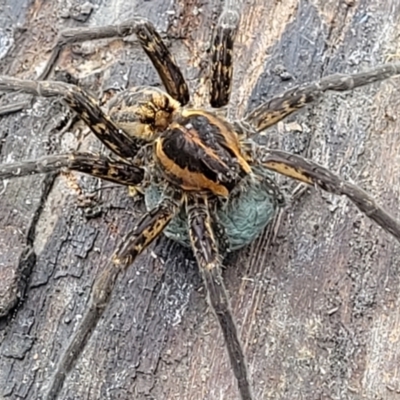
(318, 309)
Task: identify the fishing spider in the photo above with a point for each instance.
(202, 167)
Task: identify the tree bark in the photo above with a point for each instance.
(317, 305)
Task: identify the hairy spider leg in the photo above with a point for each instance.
(145, 231)
(222, 56)
(307, 171)
(96, 165)
(149, 39)
(274, 110)
(207, 255)
(85, 106)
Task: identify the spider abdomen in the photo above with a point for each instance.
(246, 213)
(201, 152)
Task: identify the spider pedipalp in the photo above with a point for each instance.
(206, 182)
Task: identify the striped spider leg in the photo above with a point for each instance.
(151, 42)
(194, 153)
(205, 248)
(271, 112)
(136, 118)
(146, 230)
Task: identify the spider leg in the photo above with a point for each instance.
(222, 56)
(206, 252)
(274, 110)
(85, 106)
(312, 173)
(13, 108)
(148, 228)
(96, 165)
(149, 39)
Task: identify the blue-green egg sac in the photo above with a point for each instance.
(246, 213)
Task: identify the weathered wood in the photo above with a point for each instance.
(318, 310)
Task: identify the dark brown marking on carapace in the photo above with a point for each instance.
(201, 152)
(225, 133)
(183, 177)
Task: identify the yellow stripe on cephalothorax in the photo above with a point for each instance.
(188, 180)
(191, 135)
(231, 139)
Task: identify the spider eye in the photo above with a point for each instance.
(143, 112)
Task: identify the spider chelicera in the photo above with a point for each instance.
(196, 168)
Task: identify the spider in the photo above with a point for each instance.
(200, 164)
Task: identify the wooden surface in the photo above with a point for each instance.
(318, 309)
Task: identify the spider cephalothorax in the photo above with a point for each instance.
(199, 152)
(206, 183)
(143, 112)
(195, 149)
